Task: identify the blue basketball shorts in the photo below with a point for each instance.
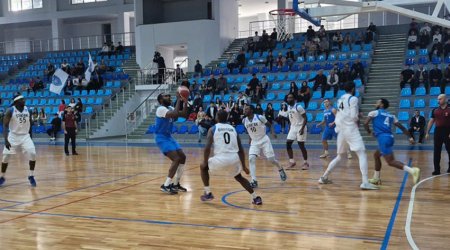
(385, 144)
(328, 134)
(166, 144)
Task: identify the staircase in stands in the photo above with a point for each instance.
(131, 68)
(384, 80)
(233, 49)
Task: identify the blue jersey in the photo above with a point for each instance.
(382, 122)
(163, 125)
(329, 117)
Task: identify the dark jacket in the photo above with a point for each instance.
(420, 124)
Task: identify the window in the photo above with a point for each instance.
(18, 5)
(87, 1)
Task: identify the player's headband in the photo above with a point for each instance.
(18, 98)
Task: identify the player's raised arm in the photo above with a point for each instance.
(242, 155)
(6, 120)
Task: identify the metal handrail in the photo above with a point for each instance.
(144, 101)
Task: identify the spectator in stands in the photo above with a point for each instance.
(412, 40)
(193, 89)
(358, 70)
(179, 74)
(420, 78)
(413, 26)
(69, 125)
(159, 60)
(203, 89)
(424, 36)
(31, 86)
(436, 77)
(337, 40)
(259, 110)
(273, 38)
(241, 101)
(359, 38)
(333, 82)
(304, 94)
(254, 82)
(198, 69)
(282, 118)
(447, 48)
(437, 36)
(24, 88)
(320, 80)
(34, 117)
(65, 66)
(348, 41)
(102, 68)
(324, 47)
(293, 89)
(241, 60)
(112, 48)
(80, 68)
(303, 51)
(406, 76)
(281, 60)
(119, 49)
(373, 28)
(258, 95)
(72, 103)
(221, 86)
(417, 124)
(39, 85)
(269, 113)
(212, 109)
(61, 108)
(368, 37)
(436, 50)
(446, 35)
(56, 127)
(235, 116)
(211, 85)
(198, 102)
(232, 64)
(310, 33)
(264, 85)
(345, 75)
(42, 117)
(50, 71)
(204, 122)
(264, 41)
(105, 50)
(269, 60)
(256, 45)
(321, 33)
(446, 79)
(218, 102)
(79, 106)
(290, 57)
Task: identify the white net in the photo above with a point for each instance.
(284, 22)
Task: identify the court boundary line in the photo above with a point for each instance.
(387, 235)
(411, 210)
(160, 222)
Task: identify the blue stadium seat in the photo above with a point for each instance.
(207, 98)
(281, 96)
(277, 129)
(89, 110)
(329, 94)
(286, 86)
(419, 103)
(90, 101)
(358, 83)
(319, 117)
(367, 47)
(345, 48)
(365, 55)
(312, 106)
(92, 92)
(309, 117)
(340, 93)
(316, 95)
(405, 92)
(447, 90)
(193, 130)
(276, 86)
(281, 77)
(356, 48)
(302, 76)
(84, 92)
(433, 103)
(405, 104)
(277, 106)
(270, 96)
(310, 59)
(291, 76)
(332, 57)
(411, 53)
(420, 91)
(99, 101)
(343, 57)
(240, 129)
(435, 91)
(423, 52)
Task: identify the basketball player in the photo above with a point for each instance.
(349, 136)
(297, 131)
(165, 117)
(256, 129)
(228, 154)
(329, 114)
(382, 130)
(16, 131)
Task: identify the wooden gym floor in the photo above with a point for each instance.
(109, 198)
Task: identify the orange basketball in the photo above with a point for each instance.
(184, 92)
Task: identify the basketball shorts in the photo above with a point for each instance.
(385, 144)
(166, 143)
(229, 163)
(328, 134)
(263, 145)
(20, 143)
(294, 134)
(349, 139)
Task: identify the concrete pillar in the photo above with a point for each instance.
(57, 34)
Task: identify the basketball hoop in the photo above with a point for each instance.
(283, 20)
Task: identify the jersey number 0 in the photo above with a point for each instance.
(226, 138)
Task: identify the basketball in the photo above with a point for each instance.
(184, 92)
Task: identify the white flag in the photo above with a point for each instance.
(59, 80)
(90, 69)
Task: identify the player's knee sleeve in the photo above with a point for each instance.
(252, 159)
(5, 158)
(31, 156)
(289, 145)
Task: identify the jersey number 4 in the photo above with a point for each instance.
(341, 106)
(226, 138)
(386, 121)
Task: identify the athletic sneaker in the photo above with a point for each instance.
(207, 197)
(179, 188)
(257, 201)
(283, 175)
(305, 166)
(291, 166)
(436, 173)
(368, 186)
(375, 181)
(2, 180)
(349, 155)
(32, 181)
(325, 180)
(416, 175)
(168, 189)
(254, 184)
(325, 155)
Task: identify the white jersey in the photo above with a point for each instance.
(225, 139)
(256, 128)
(20, 121)
(347, 115)
(295, 114)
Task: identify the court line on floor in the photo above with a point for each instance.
(10, 201)
(160, 222)
(390, 226)
(71, 191)
(411, 210)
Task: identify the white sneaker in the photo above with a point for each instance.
(375, 181)
(325, 155)
(368, 186)
(324, 180)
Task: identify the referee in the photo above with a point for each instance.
(440, 116)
